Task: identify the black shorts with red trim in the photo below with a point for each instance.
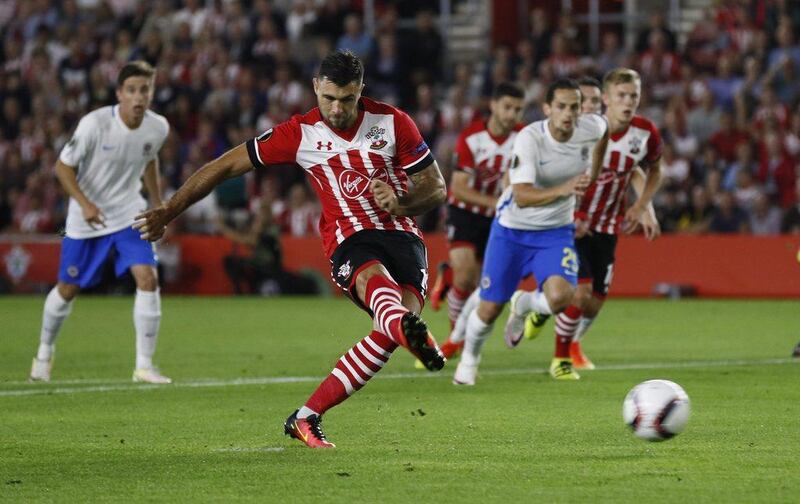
(596, 261)
(467, 229)
(403, 254)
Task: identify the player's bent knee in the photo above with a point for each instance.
(68, 291)
(488, 311)
(146, 278)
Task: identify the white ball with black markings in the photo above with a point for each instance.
(656, 410)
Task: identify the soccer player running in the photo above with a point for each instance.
(359, 156)
(482, 155)
(101, 168)
(533, 231)
(634, 143)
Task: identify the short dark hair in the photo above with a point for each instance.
(590, 82)
(137, 68)
(341, 68)
(560, 84)
(507, 89)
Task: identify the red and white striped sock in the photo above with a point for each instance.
(566, 324)
(384, 298)
(455, 302)
(353, 371)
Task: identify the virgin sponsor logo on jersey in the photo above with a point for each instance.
(375, 136)
(354, 183)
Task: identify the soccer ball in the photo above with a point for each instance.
(656, 409)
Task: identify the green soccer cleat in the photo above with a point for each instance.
(561, 369)
(534, 323)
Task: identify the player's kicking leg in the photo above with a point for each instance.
(359, 270)
(57, 307)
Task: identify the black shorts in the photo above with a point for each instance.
(402, 254)
(596, 261)
(466, 229)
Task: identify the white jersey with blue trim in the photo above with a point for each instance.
(110, 159)
(541, 160)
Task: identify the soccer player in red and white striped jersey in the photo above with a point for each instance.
(634, 142)
(483, 152)
(372, 172)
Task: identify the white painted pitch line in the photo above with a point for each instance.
(245, 449)
(43, 389)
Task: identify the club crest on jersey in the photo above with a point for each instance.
(584, 153)
(146, 150)
(375, 136)
(635, 143)
(345, 270)
(353, 183)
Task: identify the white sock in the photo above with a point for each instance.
(460, 327)
(477, 332)
(56, 310)
(146, 318)
(583, 326)
(305, 412)
(533, 301)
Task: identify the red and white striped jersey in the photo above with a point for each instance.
(384, 144)
(603, 204)
(485, 158)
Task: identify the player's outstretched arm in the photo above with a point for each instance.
(427, 192)
(235, 162)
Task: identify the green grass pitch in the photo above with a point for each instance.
(241, 365)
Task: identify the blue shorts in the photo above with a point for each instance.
(82, 260)
(513, 254)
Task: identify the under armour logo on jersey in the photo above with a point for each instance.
(320, 145)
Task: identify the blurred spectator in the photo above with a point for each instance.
(656, 25)
(355, 39)
(728, 217)
(777, 171)
(765, 219)
(726, 139)
(300, 216)
(704, 118)
(425, 49)
(791, 219)
(611, 54)
(697, 216)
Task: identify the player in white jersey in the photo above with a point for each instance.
(101, 168)
(482, 155)
(596, 248)
(533, 229)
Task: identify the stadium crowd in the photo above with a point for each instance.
(727, 100)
